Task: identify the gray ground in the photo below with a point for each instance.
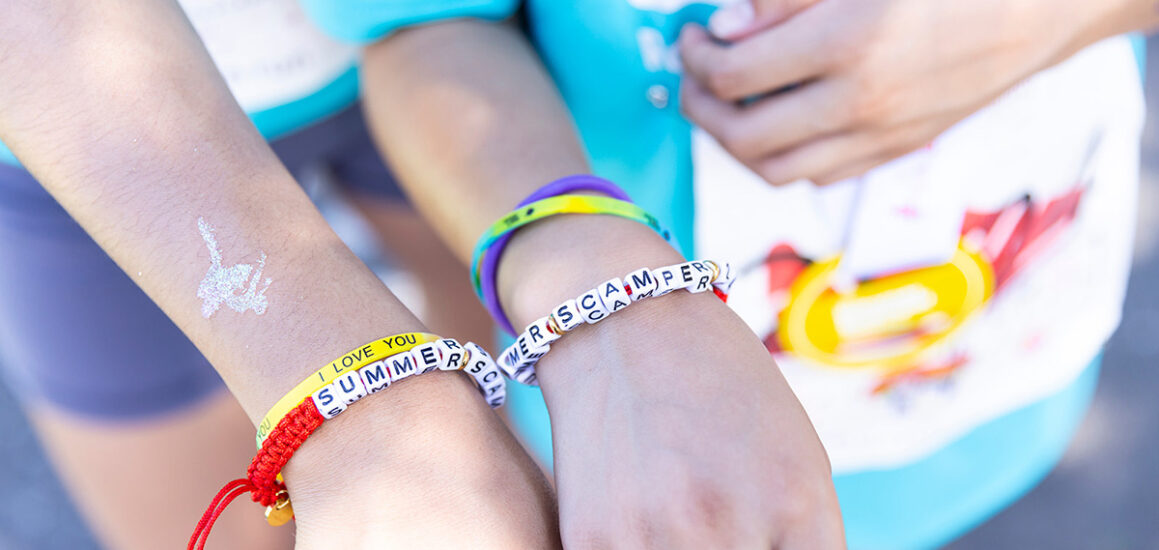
(1104, 494)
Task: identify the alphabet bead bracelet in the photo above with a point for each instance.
(329, 391)
(519, 359)
(351, 361)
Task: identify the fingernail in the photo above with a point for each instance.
(731, 19)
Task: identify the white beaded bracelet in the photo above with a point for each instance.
(445, 354)
(518, 361)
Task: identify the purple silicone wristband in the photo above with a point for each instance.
(489, 267)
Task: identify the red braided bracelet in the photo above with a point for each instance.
(262, 477)
(344, 382)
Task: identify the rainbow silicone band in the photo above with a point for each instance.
(554, 206)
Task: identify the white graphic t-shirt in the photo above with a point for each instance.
(953, 285)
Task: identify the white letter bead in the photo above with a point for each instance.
(509, 360)
(567, 315)
(642, 283)
(375, 376)
(477, 359)
(667, 279)
(426, 357)
(725, 279)
(697, 277)
(613, 295)
(327, 402)
(486, 374)
(527, 376)
(349, 388)
(591, 308)
(522, 369)
(490, 383)
(529, 352)
(496, 394)
(450, 354)
(540, 333)
(401, 365)
(519, 356)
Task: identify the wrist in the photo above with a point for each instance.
(561, 257)
(537, 275)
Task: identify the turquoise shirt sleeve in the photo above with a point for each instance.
(363, 21)
(6, 156)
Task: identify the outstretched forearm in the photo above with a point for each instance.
(472, 124)
(118, 110)
(468, 116)
(120, 113)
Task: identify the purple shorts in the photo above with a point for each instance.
(77, 332)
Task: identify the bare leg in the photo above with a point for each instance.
(143, 485)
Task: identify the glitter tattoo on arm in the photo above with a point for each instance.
(235, 286)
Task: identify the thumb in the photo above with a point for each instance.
(741, 18)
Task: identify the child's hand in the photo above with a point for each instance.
(673, 428)
(874, 79)
(425, 464)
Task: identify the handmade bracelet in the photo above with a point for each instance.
(352, 360)
(334, 388)
(485, 264)
(518, 361)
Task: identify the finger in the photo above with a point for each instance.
(706, 111)
(768, 126)
(794, 52)
(822, 157)
(740, 19)
(853, 170)
(907, 140)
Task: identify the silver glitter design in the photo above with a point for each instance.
(223, 284)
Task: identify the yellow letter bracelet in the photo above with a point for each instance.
(351, 361)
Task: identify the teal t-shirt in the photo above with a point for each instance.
(614, 62)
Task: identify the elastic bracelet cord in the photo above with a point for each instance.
(519, 359)
(328, 392)
(485, 266)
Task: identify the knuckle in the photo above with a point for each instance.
(806, 497)
(906, 140)
(701, 511)
(711, 507)
(723, 78)
(777, 172)
(870, 105)
(797, 506)
(844, 50)
(738, 141)
(690, 106)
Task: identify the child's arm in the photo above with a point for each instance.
(673, 427)
(118, 110)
